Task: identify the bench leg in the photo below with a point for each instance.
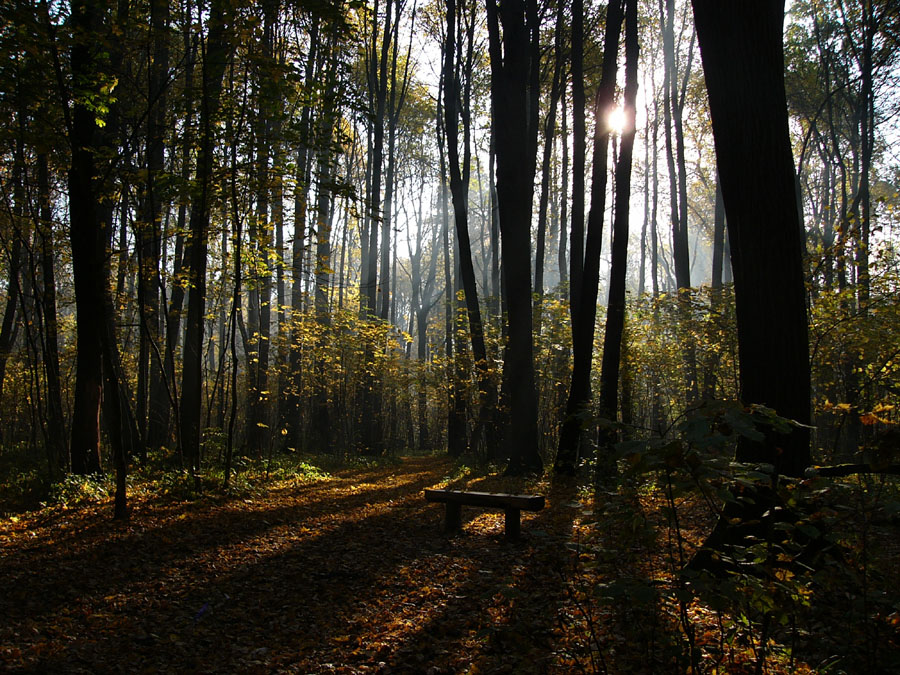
(512, 523)
(453, 521)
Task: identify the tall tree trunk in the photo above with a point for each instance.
(261, 231)
(375, 206)
(456, 423)
(673, 107)
(715, 296)
(549, 131)
(56, 430)
(291, 414)
(459, 189)
(157, 436)
(584, 315)
(514, 66)
(615, 314)
(9, 327)
(88, 238)
(152, 398)
(561, 259)
(579, 150)
(324, 215)
(217, 53)
(675, 147)
(743, 61)
(496, 292)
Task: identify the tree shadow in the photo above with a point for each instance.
(167, 594)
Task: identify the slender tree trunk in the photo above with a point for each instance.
(9, 327)
(549, 131)
(584, 315)
(324, 215)
(217, 53)
(56, 418)
(615, 314)
(157, 436)
(715, 296)
(496, 291)
(561, 261)
(152, 399)
(459, 188)
(579, 145)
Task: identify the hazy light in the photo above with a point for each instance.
(616, 120)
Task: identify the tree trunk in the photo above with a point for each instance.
(88, 238)
(584, 315)
(56, 419)
(217, 52)
(743, 61)
(513, 75)
(158, 436)
(459, 189)
(152, 400)
(615, 315)
(549, 132)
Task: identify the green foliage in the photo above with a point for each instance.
(79, 490)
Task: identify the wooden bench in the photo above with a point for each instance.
(513, 505)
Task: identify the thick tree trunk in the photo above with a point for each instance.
(88, 238)
(513, 76)
(741, 47)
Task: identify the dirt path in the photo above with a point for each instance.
(350, 574)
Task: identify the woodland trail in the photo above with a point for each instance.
(350, 574)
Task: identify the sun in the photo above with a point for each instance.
(615, 120)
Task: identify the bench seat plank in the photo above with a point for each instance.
(488, 499)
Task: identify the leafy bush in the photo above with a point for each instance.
(77, 490)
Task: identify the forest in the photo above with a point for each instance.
(270, 269)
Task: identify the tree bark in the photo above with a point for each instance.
(218, 50)
(88, 238)
(513, 76)
(743, 62)
(584, 315)
(615, 315)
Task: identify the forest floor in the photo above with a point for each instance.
(350, 573)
